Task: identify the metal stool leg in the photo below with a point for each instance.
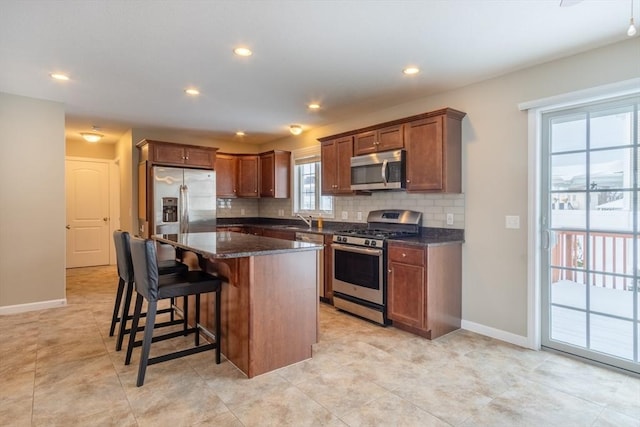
(146, 342)
(124, 317)
(134, 328)
(116, 307)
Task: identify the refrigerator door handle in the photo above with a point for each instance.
(184, 214)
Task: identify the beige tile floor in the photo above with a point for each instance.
(59, 367)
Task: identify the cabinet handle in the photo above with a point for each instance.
(408, 180)
(404, 255)
(390, 271)
(186, 158)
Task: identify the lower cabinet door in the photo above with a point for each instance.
(406, 296)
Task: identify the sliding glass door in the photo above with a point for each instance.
(590, 224)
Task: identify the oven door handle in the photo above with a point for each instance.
(357, 249)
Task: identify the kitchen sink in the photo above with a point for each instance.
(289, 227)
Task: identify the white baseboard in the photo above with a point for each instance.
(32, 306)
(498, 334)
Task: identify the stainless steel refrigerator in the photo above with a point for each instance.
(184, 200)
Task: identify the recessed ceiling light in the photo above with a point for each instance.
(59, 76)
(314, 106)
(411, 70)
(240, 133)
(191, 91)
(242, 51)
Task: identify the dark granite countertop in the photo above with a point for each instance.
(428, 235)
(227, 244)
(431, 236)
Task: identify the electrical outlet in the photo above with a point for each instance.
(359, 216)
(280, 212)
(449, 219)
(241, 211)
(512, 221)
(345, 215)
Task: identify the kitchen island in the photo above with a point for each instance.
(269, 297)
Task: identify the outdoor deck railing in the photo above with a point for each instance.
(603, 256)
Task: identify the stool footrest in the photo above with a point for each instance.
(181, 353)
(169, 335)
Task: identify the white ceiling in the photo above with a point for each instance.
(129, 61)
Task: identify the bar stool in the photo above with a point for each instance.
(152, 287)
(125, 286)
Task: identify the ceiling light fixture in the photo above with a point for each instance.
(632, 26)
(242, 51)
(191, 91)
(240, 133)
(92, 136)
(295, 129)
(314, 106)
(59, 76)
(411, 70)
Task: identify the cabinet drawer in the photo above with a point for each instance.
(407, 255)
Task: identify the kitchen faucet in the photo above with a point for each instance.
(309, 221)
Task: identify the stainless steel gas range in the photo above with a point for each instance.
(360, 262)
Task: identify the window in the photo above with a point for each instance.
(307, 199)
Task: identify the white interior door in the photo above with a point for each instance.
(87, 194)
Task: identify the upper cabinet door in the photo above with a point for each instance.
(275, 174)
(434, 149)
(201, 157)
(336, 166)
(384, 139)
(172, 154)
(226, 176)
(247, 176)
(424, 155)
(168, 153)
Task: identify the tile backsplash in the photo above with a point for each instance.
(434, 207)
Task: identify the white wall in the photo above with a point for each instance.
(32, 218)
(494, 180)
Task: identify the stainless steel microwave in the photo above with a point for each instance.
(379, 171)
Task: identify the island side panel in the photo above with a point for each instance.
(444, 283)
(284, 310)
(235, 310)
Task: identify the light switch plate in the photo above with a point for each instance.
(241, 211)
(345, 215)
(512, 221)
(359, 216)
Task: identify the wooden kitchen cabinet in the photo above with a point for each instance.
(434, 146)
(172, 154)
(424, 288)
(336, 166)
(275, 174)
(279, 234)
(247, 175)
(383, 139)
(226, 175)
(232, 228)
(328, 268)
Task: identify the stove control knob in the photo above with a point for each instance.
(373, 243)
(366, 243)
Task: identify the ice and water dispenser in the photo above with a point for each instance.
(169, 209)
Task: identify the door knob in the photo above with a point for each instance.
(68, 227)
(105, 219)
